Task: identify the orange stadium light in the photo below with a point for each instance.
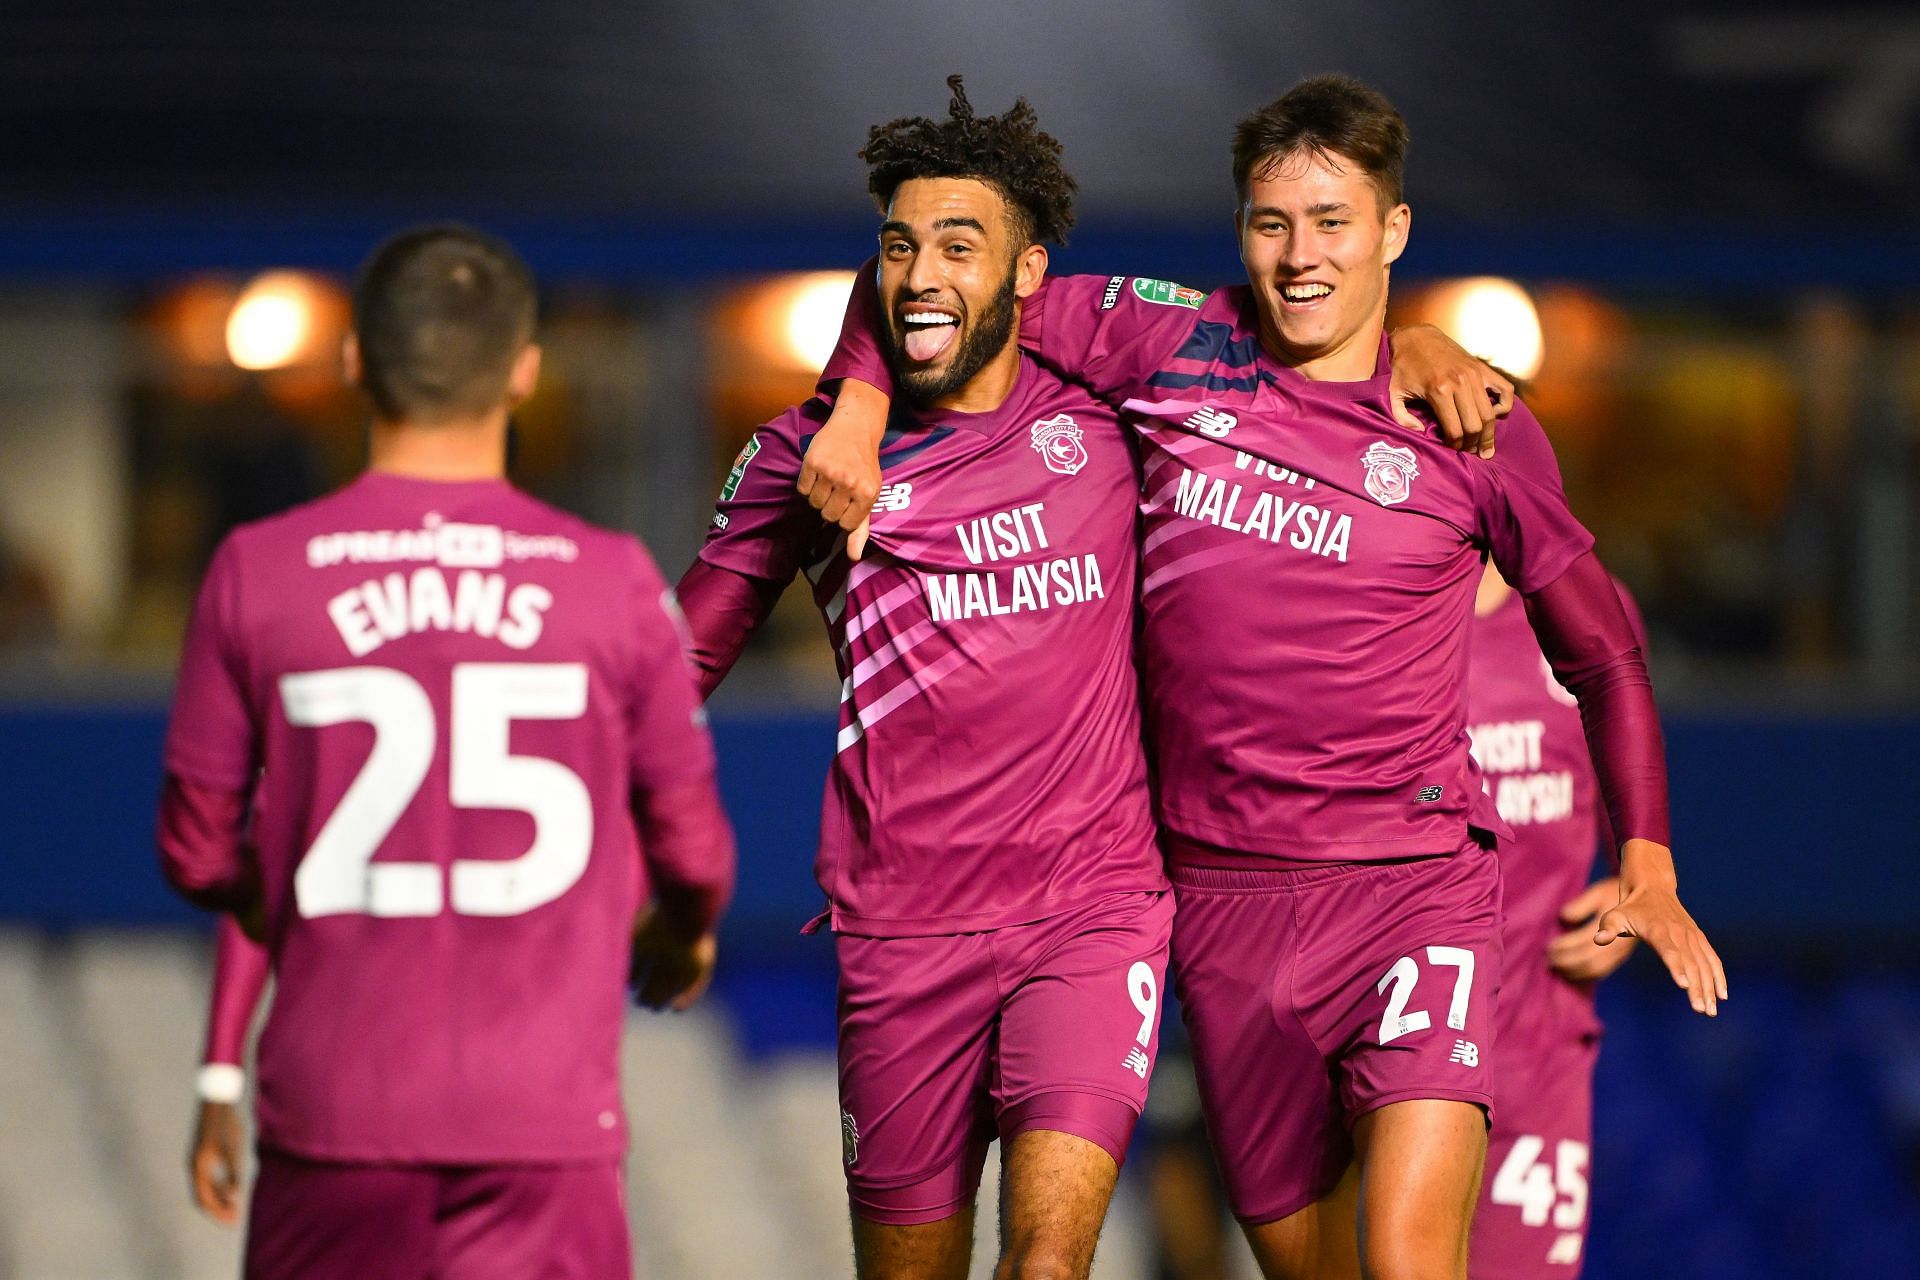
(790, 323)
(281, 318)
(814, 307)
(1493, 318)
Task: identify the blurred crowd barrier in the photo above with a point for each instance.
(1788, 827)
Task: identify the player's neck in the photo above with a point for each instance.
(1354, 360)
(988, 389)
(455, 450)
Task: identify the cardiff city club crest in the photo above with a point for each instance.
(1058, 441)
(1391, 470)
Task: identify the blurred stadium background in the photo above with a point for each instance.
(1700, 217)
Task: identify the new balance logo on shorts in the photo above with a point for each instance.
(1466, 1053)
(1565, 1251)
(1137, 1062)
(1429, 794)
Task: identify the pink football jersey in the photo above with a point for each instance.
(446, 695)
(1307, 569)
(989, 769)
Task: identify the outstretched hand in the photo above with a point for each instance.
(1649, 909)
(1466, 395)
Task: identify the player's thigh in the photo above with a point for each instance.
(1080, 1026)
(1420, 1164)
(1319, 1242)
(941, 1249)
(1054, 1191)
(1531, 1222)
(1265, 1084)
(557, 1222)
(311, 1220)
(917, 1018)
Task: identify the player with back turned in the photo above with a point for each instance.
(1309, 563)
(465, 726)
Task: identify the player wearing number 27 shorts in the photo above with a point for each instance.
(469, 738)
(1308, 562)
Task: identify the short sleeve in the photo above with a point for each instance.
(1111, 334)
(668, 739)
(212, 734)
(1521, 507)
(761, 525)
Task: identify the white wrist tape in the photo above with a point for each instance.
(220, 1082)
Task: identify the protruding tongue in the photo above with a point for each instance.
(925, 341)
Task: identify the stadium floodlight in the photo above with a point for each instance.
(813, 304)
(272, 323)
(1493, 318)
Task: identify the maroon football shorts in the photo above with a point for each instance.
(1316, 994)
(322, 1221)
(947, 1042)
(1532, 1219)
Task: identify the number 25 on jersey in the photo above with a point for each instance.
(338, 875)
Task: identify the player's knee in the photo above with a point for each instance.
(1041, 1262)
(1296, 1247)
(1403, 1259)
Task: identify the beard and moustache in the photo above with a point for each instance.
(985, 336)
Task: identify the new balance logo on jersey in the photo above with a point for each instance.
(1137, 1062)
(895, 496)
(1213, 423)
(1466, 1053)
(1430, 794)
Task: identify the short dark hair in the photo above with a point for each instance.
(1008, 152)
(440, 313)
(1326, 116)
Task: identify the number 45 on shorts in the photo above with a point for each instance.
(1525, 1180)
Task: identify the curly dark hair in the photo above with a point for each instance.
(1009, 152)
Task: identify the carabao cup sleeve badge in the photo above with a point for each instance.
(1390, 472)
(1058, 440)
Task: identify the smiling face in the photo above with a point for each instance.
(952, 266)
(1317, 246)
